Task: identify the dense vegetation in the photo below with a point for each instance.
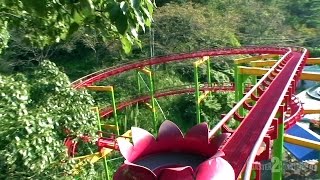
(37, 103)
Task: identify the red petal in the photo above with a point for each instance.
(126, 148)
(215, 169)
(129, 171)
(179, 173)
(199, 132)
(142, 139)
(169, 131)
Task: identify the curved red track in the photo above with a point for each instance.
(277, 86)
(106, 112)
(105, 73)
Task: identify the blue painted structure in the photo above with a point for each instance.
(302, 153)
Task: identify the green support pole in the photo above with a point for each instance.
(240, 91)
(196, 81)
(136, 113)
(254, 82)
(253, 79)
(154, 115)
(115, 112)
(209, 74)
(153, 76)
(236, 82)
(125, 126)
(137, 105)
(105, 165)
(138, 81)
(278, 149)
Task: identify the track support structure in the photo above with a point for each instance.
(277, 164)
(105, 164)
(200, 97)
(111, 90)
(152, 91)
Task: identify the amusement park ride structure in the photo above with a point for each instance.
(263, 111)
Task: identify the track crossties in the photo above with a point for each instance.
(238, 148)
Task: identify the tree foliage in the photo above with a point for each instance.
(44, 22)
(191, 27)
(304, 17)
(35, 111)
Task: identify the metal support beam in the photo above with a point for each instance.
(313, 61)
(263, 63)
(302, 142)
(105, 165)
(277, 164)
(114, 107)
(254, 58)
(196, 81)
(152, 92)
(197, 92)
(312, 76)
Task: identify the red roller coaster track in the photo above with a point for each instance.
(262, 113)
(275, 88)
(105, 73)
(106, 112)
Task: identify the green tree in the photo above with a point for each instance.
(189, 27)
(44, 22)
(35, 111)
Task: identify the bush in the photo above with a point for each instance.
(35, 110)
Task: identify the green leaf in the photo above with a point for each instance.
(150, 6)
(77, 17)
(118, 18)
(134, 32)
(73, 28)
(126, 44)
(140, 19)
(146, 12)
(124, 7)
(135, 4)
(36, 6)
(122, 24)
(87, 7)
(148, 22)
(17, 138)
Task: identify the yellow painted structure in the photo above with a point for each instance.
(148, 105)
(100, 88)
(201, 61)
(313, 61)
(254, 58)
(111, 127)
(92, 158)
(312, 76)
(261, 63)
(146, 71)
(302, 142)
(311, 111)
(202, 96)
(257, 62)
(253, 70)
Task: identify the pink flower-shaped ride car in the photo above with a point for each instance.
(172, 156)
